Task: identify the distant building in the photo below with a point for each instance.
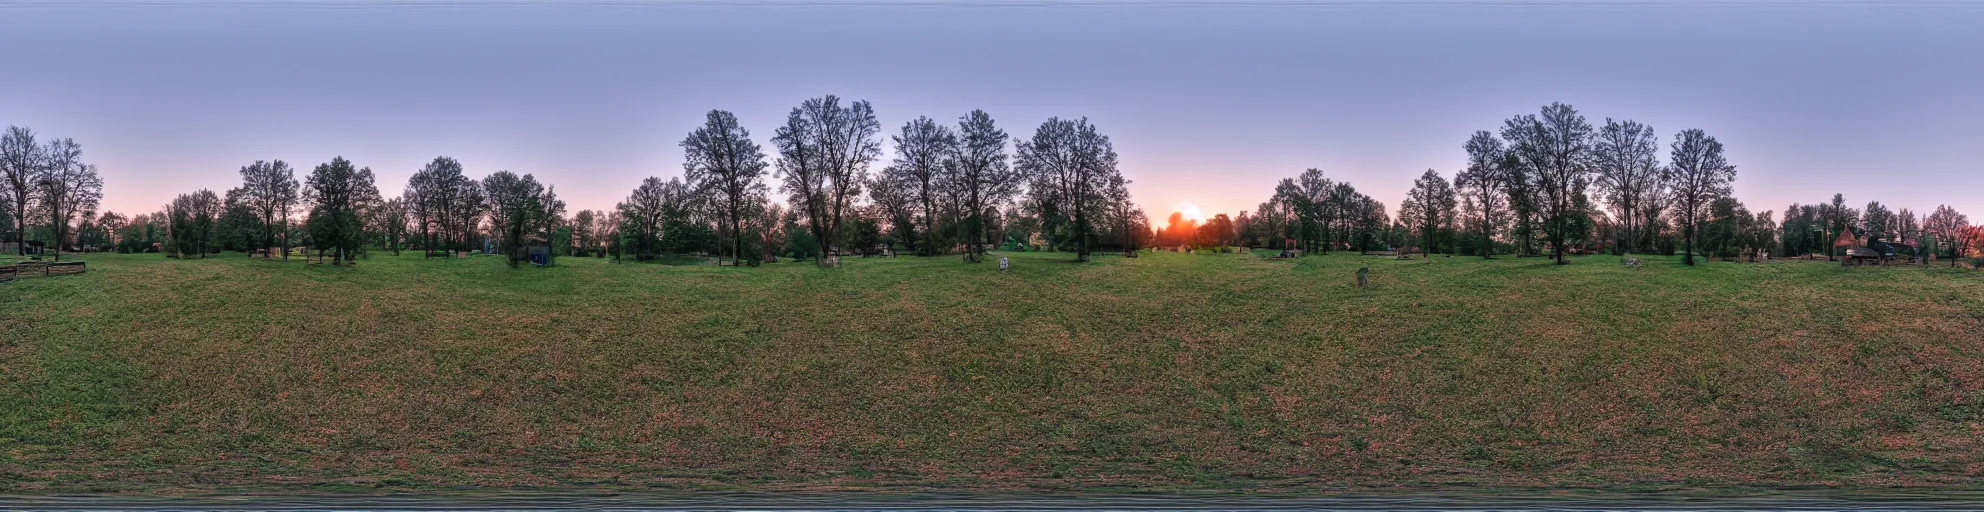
(1845, 241)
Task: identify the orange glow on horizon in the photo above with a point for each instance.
(1187, 211)
(1192, 211)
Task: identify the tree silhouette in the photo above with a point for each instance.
(1428, 206)
(21, 162)
(1553, 149)
(926, 155)
(1072, 164)
(983, 178)
(335, 190)
(1307, 196)
(1628, 170)
(516, 205)
(1948, 227)
(271, 191)
(727, 169)
(824, 152)
(67, 188)
(1699, 175)
(1484, 184)
(641, 215)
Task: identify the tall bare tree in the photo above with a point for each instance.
(824, 152)
(984, 179)
(894, 192)
(1700, 175)
(641, 216)
(1554, 148)
(1948, 227)
(1484, 184)
(66, 188)
(925, 156)
(1628, 164)
(728, 169)
(21, 163)
(1428, 206)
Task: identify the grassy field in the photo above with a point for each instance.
(1165, 372)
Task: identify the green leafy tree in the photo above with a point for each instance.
(334, 191)
(269, 188)
(1071, 164)
(516, 206)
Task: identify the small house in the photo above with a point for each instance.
(1845, 241)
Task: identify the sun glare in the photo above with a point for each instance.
(1191, 211)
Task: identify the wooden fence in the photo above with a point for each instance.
(41, 269)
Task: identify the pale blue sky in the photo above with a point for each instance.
(1208, 104)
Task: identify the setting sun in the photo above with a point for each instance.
(1191, 211)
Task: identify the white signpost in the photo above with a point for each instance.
(1002, 263)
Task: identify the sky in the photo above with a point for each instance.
(1208, 103)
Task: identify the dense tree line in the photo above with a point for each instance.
(1317, 214)
(1548, 184)
(949, 189)
(1552, 184)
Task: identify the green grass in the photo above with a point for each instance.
(1165, 372)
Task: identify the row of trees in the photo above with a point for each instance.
(1545, 183)
(339, 201)
(1538, 176)
(343, 213)
(1552, 183)
(945, 188)
(948, 187)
